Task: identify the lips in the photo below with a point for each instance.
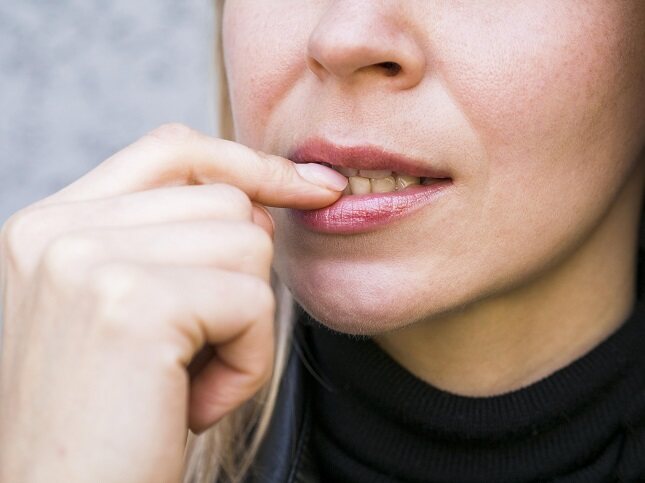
(367, 157)
(356, 213)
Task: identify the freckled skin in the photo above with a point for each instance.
(535, 107)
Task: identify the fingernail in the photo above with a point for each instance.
(322, 176)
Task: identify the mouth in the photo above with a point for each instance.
(366, 181)
(383, 187)
(370, 169)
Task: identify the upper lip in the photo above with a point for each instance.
(319, 150)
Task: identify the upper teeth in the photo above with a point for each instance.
(366, 181)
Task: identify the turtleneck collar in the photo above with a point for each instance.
(376, 421)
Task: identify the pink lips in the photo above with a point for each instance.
(319, 150)
(360, 213)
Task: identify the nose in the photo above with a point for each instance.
(366, 39)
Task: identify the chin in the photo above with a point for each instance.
(365, 305)
(347, 317)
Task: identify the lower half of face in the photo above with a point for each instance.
(535, 108)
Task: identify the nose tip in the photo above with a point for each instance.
(365, 43)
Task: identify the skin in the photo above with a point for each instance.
(113, 286)
(534, 107)
(111, 289)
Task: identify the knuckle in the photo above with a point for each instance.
(172, 133)
(273, 165)
(19, 229)
(238, 197)
(258, 301)
(11, 233)
(231, 195)
(117, 289)
(263, 297)
(254, 247)
(69, 253)
(260, 243)
(116, 281)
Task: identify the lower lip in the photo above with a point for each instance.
(363, 213)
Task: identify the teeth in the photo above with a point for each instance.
(347, 171)
(375, 173)
(367, 181)
(359, 185)
(403, 181)
(383, 185)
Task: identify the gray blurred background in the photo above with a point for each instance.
(80, 79)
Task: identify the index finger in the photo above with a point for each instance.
(177, 155)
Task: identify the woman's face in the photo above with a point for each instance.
(535, 109)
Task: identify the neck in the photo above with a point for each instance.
(511, 340)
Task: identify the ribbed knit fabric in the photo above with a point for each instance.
(374, 421)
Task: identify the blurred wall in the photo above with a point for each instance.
(80, 79)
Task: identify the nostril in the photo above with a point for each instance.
(392, 68)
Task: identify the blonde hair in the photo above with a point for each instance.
(226, 450)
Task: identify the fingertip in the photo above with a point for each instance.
(322, 176)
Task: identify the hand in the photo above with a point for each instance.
(113, 285)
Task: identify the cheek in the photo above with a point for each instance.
(513, 76)
(538, 83)
(264, 56)
(550, 95)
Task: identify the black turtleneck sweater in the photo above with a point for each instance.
(374, 421)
